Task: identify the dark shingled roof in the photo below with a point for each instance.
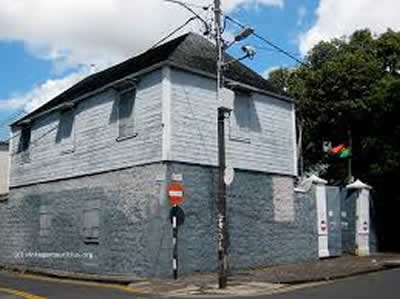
(189, 50)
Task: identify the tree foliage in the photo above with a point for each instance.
(350, 84)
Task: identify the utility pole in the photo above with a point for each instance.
(221, 193)
(225, 106)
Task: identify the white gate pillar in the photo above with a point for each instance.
(362, 217)
(322, 215)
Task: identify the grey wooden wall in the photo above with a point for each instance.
(95, 132)
(266, 144)
(260, 135)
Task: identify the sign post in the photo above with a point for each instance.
(175, 196)
(175, 243)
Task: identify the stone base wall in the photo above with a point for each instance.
(268, 222)
(131, 223)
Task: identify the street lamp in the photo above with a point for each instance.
(243, 34)
(225, 106)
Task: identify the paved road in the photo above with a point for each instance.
(378, 285)
(373, 286)
(13, 286)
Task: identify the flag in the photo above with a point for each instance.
(341, 151)
(345, 153)
(338, 149)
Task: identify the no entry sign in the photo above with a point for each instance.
(175, 194)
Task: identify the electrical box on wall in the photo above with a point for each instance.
(227, 97)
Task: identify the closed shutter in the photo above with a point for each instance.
(91, 221)
(24, 144)
(65, 132)
(241, 119)
(126, 114)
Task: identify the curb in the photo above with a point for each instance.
(332, 278)
(391, 264)
(119, 279)
(147, 286)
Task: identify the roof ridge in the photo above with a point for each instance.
(191, 49)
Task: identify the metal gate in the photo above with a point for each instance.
(333, 198)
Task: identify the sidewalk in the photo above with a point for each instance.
(257, 281)
(274, 279)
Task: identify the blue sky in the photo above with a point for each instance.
(46, 45)
(280, 25)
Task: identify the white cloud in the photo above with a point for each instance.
(301, 14)
(89, 31)
(336, 18)
(232, 4)
(42, 93)
(83, 32)
(266, 73)
(96, 31)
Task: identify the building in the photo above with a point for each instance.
(4, 165)
(90, 170)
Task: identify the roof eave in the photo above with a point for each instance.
(32, 114)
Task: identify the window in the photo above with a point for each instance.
(241, 118)
(45, 221)
(91, 222)
(126, 109)
(24, 143)
(65, 133)
(283, 199)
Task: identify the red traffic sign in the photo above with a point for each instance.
(175, 194)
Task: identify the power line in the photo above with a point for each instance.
(4, 124)
(173, 32)
(183, 4)
(269, 49)
(12, 117)
(204, 7)
(279, 49)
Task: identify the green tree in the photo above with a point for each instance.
(350, 84)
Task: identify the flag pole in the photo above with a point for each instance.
(351, 154)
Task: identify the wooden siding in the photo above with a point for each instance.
(4, 165)
(269, 146)
(95, 133)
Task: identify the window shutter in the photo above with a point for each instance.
(45, 221)
(91, 221)
(24, 144)
(66, 134)
(241, 118)
(126, 113)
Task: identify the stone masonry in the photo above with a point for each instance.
(135, 236)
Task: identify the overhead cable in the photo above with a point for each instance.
(173, 32)
(279, 49)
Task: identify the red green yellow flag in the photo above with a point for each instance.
(345, 153)
(341, 151)
(338, 149)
